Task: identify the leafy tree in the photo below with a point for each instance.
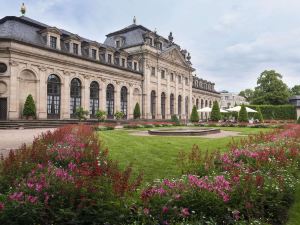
(101, 115)
(270, 90)
(29, 107)
(137, 111)
(258, 116)
(215, 112)
(81, 114)
(295, 90)
(243, 115)
(247, 94)
(119, 115)
(194, 115)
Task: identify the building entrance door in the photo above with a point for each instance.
(3, 108)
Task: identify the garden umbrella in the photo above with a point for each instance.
(238, 108)
(207, 109)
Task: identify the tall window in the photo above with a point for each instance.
(186, 81)
(152, 71)
(162, 74)
(118, 44)
(179, 105)
(163, 105)
(94, 53)
(110, 100)
(53, 42)
(186, 107)
(172, 77)
(75, 92)
(179, 79)
(153, 104)
(135, 65)
(197, 103)
(172, 104)
(117, 61)
(123, 62)
(53, 97)
(75, 48)
(94, 98)
(109, 58)
(124, 101)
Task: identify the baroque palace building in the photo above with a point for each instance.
(64, 71)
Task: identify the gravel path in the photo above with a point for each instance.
(12, 139)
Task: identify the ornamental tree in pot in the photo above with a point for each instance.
(137, 111)
(101, 115)
(215, 112)
(29, 110)
(81, 114)
(194, 115)
(243, 115)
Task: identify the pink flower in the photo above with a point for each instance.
(185, 212)
(146, 211)
(72, 166)
(165, 209)
(17, 196)
(1, 206)
(32, 199)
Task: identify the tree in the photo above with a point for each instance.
(270, 90)
(81, 113)
(258, 116)
(247, 94)
(175, 119)
(29, 107)
(295, 90)
(137, 111)
(194, 115)
(215, 112)
(243, 115)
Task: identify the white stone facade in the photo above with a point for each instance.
(230, 99)
(145, 74)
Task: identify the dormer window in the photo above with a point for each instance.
(123, 62)
(159, 45)
(75, 48)
(135, 65)
(151, 41)
(53, 42)
(118, 44)
(153, 71)
(109, 58)
(94, 53)
(162, 74)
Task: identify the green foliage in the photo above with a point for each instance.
(258, 116)
(137, 111)
(119, 115)
(81, 114)
(194, 115)
(175, 120)
(270, 89)
(215, 112)
(247, 94)
(101, 115)
(298, 121)
(243, 115)
(295, 90)
(29, 107)
(276, 112)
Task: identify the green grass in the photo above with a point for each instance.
(294, 212)
(156, 156)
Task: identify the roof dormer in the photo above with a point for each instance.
(52, 35)
(73, 44)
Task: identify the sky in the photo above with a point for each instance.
(230, 41)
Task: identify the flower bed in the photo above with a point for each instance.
(255, 181)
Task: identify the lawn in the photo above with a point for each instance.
(156, 156)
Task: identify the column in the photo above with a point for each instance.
(158, 94)
(42, 94)
(13, 107)
(65, 97)
(102, 95)
(117, 97)
(168, 94)
(86, 93)
(130, 103)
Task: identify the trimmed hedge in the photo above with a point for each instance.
(276, 112)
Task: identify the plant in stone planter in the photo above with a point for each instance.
(215, 112)
(81, 114)
(119, 115)
(29, 110)
(243, 115)
(101, 115)
(137, 111)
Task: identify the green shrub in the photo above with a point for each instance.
(215, 112)
(119, 115)
(29, 107)
(243, 115)
(81, 113)
(175, 120)
(258, 116)
(148, 126)
(194, 115)
(137, 111)
(298, 121)
(276, 112)
(101, 115)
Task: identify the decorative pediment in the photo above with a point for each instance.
(51, 30)
(174, 55)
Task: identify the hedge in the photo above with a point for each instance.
(276, 112)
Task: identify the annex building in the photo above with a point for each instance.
(64, 71)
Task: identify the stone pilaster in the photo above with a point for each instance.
(102, 95)
(65, 96)
(42, 93)
(13, 107)
(158, 94)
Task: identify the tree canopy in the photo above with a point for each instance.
(247, 94)
(270, 89)
(295, 90)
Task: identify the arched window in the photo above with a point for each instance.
(163, 105)
(202, 103)
(110, 101)
(206, 103)
(94, 98)
(53, 97)
(186, 107)
(197, 103)
(124, 101)
(153, 104)
(210, 104)
(75, 92)
(179, 105)
(172, 104)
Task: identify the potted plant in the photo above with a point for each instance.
(101, 115)
(119, 115)
(81, 114)
(194, 115)
(137, 111)
(243, 116)
(29, 110)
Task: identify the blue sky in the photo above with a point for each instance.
(231, 41)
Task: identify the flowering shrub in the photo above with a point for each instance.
(255, 181)
(62, 178)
